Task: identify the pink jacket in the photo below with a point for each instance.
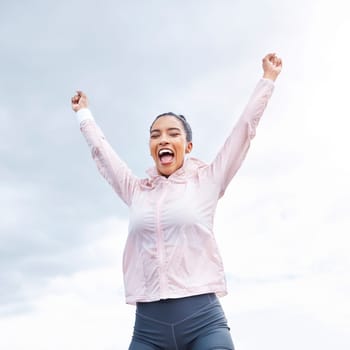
(171, 250)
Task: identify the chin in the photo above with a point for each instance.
(165, 173)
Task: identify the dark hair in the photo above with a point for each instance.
(183, 120)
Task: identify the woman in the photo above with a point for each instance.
(173, 271)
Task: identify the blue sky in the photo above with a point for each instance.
(283, 224)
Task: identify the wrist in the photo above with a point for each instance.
(270, 76)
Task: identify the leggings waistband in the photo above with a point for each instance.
(174, 310)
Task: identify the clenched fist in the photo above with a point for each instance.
(79, 100)
(272, 66)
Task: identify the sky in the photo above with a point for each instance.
(282, 226)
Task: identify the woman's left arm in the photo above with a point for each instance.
(234, 150)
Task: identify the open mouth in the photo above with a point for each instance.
(166, 156)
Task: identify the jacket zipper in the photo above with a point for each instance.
(160, 248)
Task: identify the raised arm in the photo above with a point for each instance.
(111, 167)
(234, 150)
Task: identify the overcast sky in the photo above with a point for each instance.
(284, 222)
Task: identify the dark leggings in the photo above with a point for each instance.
(191, 323)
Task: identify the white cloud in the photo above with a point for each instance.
(85, 309)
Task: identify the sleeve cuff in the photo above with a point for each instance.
(268, 80)
(84, 114)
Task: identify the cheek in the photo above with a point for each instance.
(152, 149)
(181, 150)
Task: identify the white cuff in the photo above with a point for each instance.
(84, 114)
(268, 80)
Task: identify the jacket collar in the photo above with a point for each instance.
(189, 169)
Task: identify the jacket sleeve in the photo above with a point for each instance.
(110, 166)
(235, 148)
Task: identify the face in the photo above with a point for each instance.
(168, 144)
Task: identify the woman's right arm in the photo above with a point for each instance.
(109, 164)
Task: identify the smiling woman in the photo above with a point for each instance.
(173, 271)
(169, 143)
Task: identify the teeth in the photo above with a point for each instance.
(162, 151)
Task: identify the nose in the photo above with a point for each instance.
(163, 140)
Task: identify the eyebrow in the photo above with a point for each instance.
(169, 129)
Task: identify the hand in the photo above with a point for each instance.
(79, 101)
(272, 66)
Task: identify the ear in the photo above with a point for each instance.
(189, 147)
